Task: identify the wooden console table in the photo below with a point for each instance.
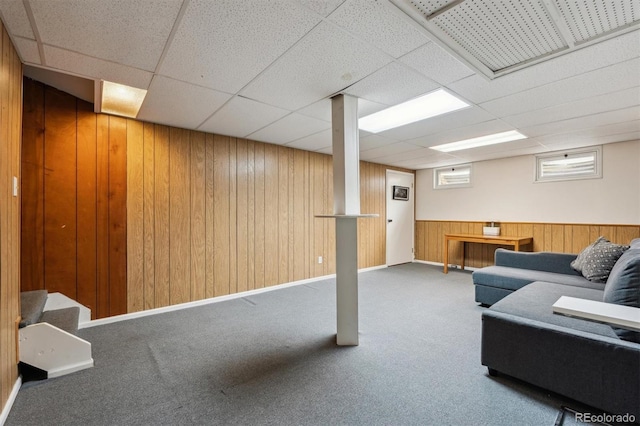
(516, 242)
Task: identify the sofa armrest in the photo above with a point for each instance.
(539, 261)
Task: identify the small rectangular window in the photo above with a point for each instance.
(583, 163)
(452, 177)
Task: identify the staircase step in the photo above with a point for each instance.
(65, 319)
(31, 306)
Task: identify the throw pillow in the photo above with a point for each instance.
(623, 287)
(599, 261)
(579, 261)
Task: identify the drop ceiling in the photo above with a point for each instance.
(565, 73)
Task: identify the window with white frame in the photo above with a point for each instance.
(583, 163)
(452, 177)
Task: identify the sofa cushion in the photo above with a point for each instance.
(600, 259)
(515, 278)
(579, 261)
(623, 287)
(534, 302)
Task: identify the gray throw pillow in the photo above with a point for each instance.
(623, 287)
(579, 261)
(599, 261)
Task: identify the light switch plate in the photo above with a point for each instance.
(15, 186)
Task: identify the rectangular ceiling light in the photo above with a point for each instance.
(512, 135)
(420, 108)
(118, 99)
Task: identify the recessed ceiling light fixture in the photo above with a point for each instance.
(420, 108)
(118, 99)
(512, 135)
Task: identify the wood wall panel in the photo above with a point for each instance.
(10, 209)
(180, 215)
(76, 188)
(558, 237)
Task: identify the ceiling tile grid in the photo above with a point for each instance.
(379, 25)
(28, 50)
(614, 78)
(196, 103)
(224, 44)
(15, 17)
(87, 66)
(323, 63)
(313, 142)
(392, 84)
(434, 62)
(241, 116)
(112, 24)
(291, 127)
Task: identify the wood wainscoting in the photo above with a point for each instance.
(558, 237)
(10, 122)
(124, 216)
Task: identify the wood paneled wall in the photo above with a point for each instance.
(73, 200)
(558, 237)
(10, 122)
(211, 215)
(124, 216)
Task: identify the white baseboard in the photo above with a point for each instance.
(156, 311)
(451, 268)
(12, 397)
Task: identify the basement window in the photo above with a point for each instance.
(452, 177)
(584, 163)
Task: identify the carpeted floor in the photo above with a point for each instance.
(270, 359)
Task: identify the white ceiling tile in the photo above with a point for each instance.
(589, 121)
(561, 142)
(86, 66)
(320, 110)
(14, 16)
(28, 50)
(417, 152)
(130, 32)
(597, 104)
(461, 118)
(385, 150)
(376, 22)
(241, 117)
(321, 64)
(491, 155)
(462, 133)
(313, 142)
(392, 84)
(429, 160)
(437, 64)
(321, 7)
(610, 79)
(372, 141)
(327, 150)
(293, 126)
(479, 89)
(196, 103)
(224, 44)
(366, 107)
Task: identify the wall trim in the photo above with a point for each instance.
(186, 305)
(9, 404)
(451, 268)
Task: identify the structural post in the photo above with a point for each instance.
(346, 207)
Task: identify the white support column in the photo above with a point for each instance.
(346, 201)
(346, 155)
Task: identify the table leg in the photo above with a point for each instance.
(464, 245)
(446, 255)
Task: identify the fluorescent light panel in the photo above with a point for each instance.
(425, 106)
(121, 100)
(512, 135)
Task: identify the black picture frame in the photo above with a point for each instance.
(401, 193)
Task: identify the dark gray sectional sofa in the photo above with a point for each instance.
(593, 363)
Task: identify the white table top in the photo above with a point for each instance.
(621, 316)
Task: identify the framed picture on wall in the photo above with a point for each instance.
(400, 193)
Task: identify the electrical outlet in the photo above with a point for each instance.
(319, 259)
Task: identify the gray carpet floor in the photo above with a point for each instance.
(271, 359)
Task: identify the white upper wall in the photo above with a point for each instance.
(504, 190)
